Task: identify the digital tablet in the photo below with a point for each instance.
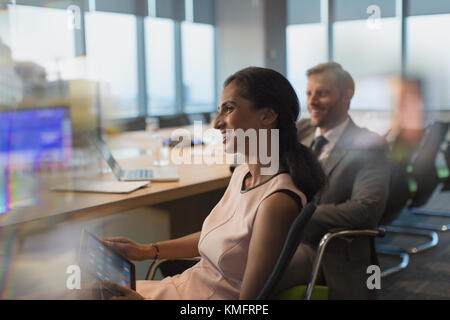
(100, 262)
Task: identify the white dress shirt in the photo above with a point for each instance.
(332, 136)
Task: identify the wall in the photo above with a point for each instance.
(249, 33)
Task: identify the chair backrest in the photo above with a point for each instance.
(205, 117)
(399, 157)
(177, 120)
(447, 155)
(423, 164)
(293, 239)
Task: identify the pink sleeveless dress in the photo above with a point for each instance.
(223, 245)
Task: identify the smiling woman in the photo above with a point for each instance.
(242, 237)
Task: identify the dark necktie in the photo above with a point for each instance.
(318, 145)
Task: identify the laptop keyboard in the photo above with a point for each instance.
(139, 174)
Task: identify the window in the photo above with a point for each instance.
(111, 45)
(306, 47)
(371, 55)
(428, 52)
(160, 64)
(39, 35)
(175, 74)
(5, 35)
(198, 67)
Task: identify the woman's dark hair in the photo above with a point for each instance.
(266, 88)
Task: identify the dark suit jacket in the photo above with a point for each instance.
(354, 198)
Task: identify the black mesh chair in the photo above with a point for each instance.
(177, 120)
(205, 117)
(398, 197)
(335, 234)
(400, 157)
(446, 185)
(293, 240)
(424, 174)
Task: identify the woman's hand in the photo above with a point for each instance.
(130, 249)
(118, 292)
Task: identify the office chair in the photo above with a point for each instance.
(395, 203)
(309, 292)
(379, 232)
(424, 174)
(446, 152)
(177, 120)
(400, 156)
(445, 187)
(397, 200)
(205, 117)
(293, 240)
(399, 196)
(170, 267)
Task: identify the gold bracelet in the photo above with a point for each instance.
(154, 245)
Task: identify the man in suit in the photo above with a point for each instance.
(355, 164)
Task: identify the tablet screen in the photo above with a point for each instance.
(104, 263)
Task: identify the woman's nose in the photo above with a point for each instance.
(218, 122)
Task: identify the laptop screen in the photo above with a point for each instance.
(107, 155)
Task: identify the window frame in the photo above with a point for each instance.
(403, 10)
(173, 9)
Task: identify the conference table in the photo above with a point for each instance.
(42, 204)
(33, 218)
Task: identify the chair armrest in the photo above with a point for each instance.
(342, 232)
(337, 233)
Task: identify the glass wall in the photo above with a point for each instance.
(112, 60)
(306, 47)
(369, 38)
(140, 58)
(40, 36)
(160, 62)
(372, 55)
(428, 57)
(198, 67)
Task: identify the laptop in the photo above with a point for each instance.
(163, 174)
